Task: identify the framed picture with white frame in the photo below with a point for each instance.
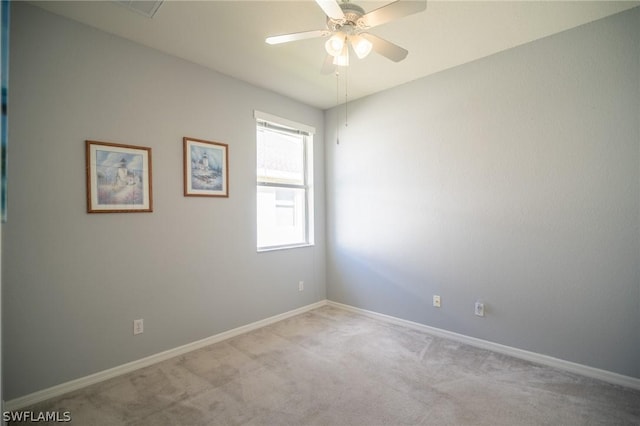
(118, 178)
(206, 168)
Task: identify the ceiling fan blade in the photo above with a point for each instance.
(328, 67)
(397, 9)
(284, 38)
(331, 8)
(386, 48)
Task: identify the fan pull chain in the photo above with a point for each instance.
(346, 97)
(337, 105)
(346, 102)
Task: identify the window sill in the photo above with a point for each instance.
(287, 247)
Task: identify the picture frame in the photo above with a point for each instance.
(206, 168)
(119, 178)
(4, 119)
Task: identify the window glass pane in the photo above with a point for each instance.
(281, 216)
(280, 157)
(284, 187)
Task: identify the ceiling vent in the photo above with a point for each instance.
(147, 8)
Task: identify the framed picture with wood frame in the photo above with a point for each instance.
(206, 168)
(118, 178)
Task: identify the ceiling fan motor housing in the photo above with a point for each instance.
(352, 14)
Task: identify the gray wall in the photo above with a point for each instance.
(514, 179)
(74, 282)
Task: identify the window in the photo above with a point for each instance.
(284, 183)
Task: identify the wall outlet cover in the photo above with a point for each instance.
(138, 326)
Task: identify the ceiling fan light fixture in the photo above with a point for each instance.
(342, 60)
(361, 46)
(347, 28)
(335, 44)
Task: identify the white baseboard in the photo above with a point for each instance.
(583, 370)
(54, 391)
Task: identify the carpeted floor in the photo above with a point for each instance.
(334, 367)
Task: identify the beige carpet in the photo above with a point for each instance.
(334, 367)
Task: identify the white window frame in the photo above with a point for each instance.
(274, 122)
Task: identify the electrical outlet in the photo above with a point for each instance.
(436, 301)
(300, 285)
(479, 310)
(138, 326)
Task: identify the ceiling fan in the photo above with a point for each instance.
(348, 25)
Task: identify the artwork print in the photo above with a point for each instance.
(205, 168)
(4, 81)
(118, 178)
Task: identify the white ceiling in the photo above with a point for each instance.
(228, 36)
